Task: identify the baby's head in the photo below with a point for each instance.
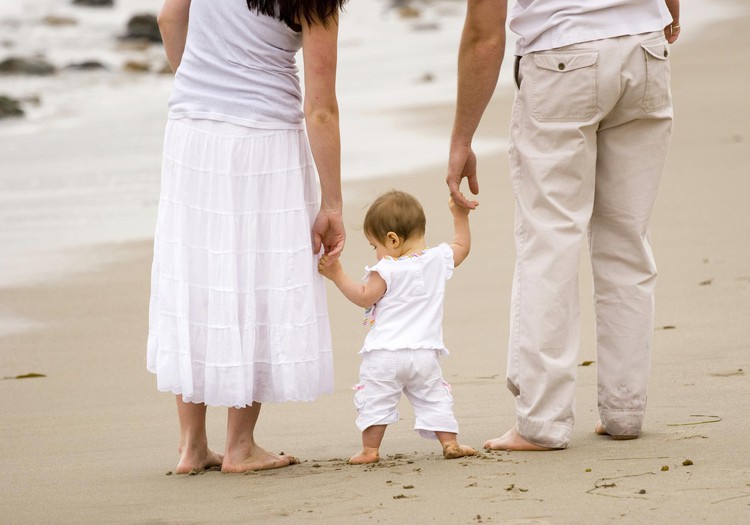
(397, 212)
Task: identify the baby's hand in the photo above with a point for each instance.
(328, 268)
(456, 210)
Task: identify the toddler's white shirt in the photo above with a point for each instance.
(410, 314)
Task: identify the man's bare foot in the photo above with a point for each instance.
(453, 450)
(599, 429)
(259, 459)
(191, 460)
(364, 456)
(512, 440)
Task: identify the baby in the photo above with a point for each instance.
(403, 294)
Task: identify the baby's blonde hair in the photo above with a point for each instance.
(397, 212)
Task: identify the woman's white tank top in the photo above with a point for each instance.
(238, 66)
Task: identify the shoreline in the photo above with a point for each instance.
(103, 154)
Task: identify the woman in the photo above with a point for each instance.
(238, 314)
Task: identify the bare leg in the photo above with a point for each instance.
(599, 429)
(371, 439)
(193, 449)
(242, 453)
(451, 448)
(512, 440)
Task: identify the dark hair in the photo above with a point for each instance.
(397, 212)
(292, 11)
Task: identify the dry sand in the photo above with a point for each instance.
(92, 441)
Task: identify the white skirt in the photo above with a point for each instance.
(238, 311)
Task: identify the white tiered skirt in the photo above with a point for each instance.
(238, 311)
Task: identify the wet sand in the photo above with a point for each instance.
(93, 441)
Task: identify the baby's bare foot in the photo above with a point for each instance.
(599, 429)
(512, 440)
(259, 459)
(364, 456)
(453, 450)
(191, 460)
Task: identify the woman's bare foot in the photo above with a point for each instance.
(599, 429)
(364, 456)
(512, 440)
(258, 459)
(191, 460)
(453, 450)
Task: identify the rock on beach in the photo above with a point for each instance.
(143, 26)
(10, 107)
(26, 66)
(94, 3)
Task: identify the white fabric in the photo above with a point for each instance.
(238, 66)
(549, 24)
(589, 135)
(238, 310)
(384, 375)
(410, 314)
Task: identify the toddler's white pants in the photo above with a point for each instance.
(385, 374)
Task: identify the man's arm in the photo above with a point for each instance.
(672, 31)
(479, 59)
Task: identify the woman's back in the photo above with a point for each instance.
(239, 67)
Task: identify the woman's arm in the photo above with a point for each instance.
(173, 25)
(319, 43)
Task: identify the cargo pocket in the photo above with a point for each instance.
(563, 85)
(656, 94)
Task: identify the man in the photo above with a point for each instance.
(589, 134)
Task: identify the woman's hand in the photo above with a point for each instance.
(328, 231)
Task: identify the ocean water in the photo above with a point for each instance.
(82, 168)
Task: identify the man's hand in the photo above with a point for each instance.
(672, 31)
(462, 163)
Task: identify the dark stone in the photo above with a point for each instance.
(26, 66)
(144, 26)
(94, 3)
(88, 65)
(10, 107)
(134, 66)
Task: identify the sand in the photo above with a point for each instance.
(94, 442)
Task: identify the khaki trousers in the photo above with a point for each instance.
(590, 129)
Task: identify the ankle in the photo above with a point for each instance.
(192, 445)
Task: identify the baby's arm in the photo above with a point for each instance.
(462, 237)
(362, 294)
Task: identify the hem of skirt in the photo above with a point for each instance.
(264, 399)
(324, 351)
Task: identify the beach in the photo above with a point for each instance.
(92, 441)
